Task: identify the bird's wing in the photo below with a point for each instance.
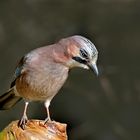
(18, 71)
(9, 99)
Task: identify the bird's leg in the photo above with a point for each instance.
(47, 104)
(24, 118)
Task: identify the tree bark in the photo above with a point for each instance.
(35, 130)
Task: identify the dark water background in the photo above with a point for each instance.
(103, 108)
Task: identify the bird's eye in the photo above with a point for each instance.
(83, 53)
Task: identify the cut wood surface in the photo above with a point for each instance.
(35, 130)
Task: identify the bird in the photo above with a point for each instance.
(42, 72)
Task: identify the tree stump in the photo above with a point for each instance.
(35, 130)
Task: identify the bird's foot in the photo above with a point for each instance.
(48, 119)
(23, 122)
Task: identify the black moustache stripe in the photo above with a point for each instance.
(80, 60)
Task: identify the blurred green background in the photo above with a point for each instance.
(103, 108)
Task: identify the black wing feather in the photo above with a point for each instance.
(18, 70)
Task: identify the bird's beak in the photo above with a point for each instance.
(94, 68)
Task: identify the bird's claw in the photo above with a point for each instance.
(47, 120)
(23, 122)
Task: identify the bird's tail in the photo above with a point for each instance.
(8, 99)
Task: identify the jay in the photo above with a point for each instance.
(43, 71)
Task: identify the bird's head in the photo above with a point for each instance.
(79, 52)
